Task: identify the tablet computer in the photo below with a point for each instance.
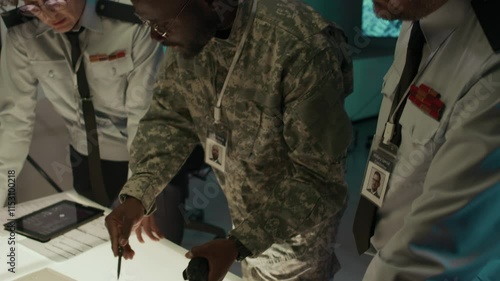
(53, 220)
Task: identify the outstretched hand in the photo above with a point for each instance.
(149, 226)
(121, 222)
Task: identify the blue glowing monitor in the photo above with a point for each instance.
(373, 26)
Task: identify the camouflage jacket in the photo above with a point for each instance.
(288, 130)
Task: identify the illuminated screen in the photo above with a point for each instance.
(376, 27)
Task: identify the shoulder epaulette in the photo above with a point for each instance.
(487, 14)
(118, 11)
(13, 17)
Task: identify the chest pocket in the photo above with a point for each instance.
(391, 80)
(53, 76)
(417, 126)
(245, 125)
(259, 134)
(51, 70)
(110, 70)
(270, 134)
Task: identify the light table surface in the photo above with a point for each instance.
(153, 261)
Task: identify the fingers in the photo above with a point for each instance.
(149, 226)
(151, 229)
(113, 226)
(156, 229)
(132, 213)
(151, 234)
(138, 233)
(128, 253)
(216, 252)
(195, 251)
(125, 231)
(120, 223)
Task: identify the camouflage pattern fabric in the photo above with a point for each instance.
(307, 257)
(288, 131)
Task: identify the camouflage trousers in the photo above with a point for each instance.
(306, 257)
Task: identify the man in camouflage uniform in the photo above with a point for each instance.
(287, 131)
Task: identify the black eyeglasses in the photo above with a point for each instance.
(162, 31)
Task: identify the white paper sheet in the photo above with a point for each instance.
(45, 274)
(68, 245)
(72, 243)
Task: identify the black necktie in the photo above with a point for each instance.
(95, 171)
(364, 221)
(413, 59)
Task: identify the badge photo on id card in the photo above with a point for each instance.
(215, 150)
(380, 162)
(375, 183)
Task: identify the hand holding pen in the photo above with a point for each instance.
(121, 222)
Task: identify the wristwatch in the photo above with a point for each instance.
(124, 197)
(243, 252)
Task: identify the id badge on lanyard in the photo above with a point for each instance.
(216, 147)
(378, 171)
(383, 153)
(217, 135)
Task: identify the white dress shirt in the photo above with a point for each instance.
(431, 223)
(35, 55)
(3, 32)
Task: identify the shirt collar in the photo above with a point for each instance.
(441, 23)
(89, 19)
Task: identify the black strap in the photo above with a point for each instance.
(364, 224)
(42, 172)
(364, 221)
(413, 59)
(115, 10)
(95, 170)
(14, 17)
(487, 15)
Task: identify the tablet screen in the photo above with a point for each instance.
(55, 219)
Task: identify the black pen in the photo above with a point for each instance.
(120, 254)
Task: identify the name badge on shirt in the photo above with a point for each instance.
(378, 170)
(216, 147)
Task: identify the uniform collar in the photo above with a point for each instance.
(89, 19)
(240, 22)
(441, 23)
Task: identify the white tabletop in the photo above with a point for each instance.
(153, 261)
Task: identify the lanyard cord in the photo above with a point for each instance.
(217, 111)
(389, 125)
